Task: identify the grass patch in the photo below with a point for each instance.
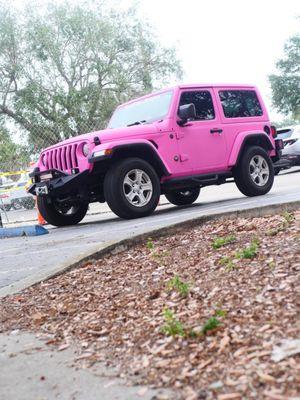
(223, 241)
(249, 252)
(172, 327)
(211, 324)
(177, 284)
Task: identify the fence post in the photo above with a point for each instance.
(1, 225)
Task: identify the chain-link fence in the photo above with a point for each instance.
(17, 157)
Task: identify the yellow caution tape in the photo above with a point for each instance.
(14, 173)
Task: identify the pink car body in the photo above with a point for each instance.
(207, 147)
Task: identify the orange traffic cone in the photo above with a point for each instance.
(41, 220)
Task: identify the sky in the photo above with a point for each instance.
(230, 41)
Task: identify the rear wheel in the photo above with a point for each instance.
(254, 175)
(132, 188)
(58, 214)
(183, 197)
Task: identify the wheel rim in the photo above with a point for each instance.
(137, 187)
(259, 170)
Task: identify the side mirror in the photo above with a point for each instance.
(186, 112)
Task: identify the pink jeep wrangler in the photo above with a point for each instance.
(172, 142)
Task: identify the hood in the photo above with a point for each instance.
(108, 135)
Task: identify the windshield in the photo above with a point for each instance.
(148, 110)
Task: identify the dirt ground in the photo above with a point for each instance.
(212, 312)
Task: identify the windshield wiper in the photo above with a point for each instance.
(137, 123)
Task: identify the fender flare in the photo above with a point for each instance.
(145, 150)
(248, 138)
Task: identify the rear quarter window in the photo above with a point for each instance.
(240, 103)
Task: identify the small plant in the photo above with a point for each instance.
(227, 261)
(180, 286)
(288, 216)
(150, 244)
(172, 327)
(222, 241)
(211, 324)
(221, 313)
(250, 251)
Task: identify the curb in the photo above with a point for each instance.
(119, 246)
(30, 230)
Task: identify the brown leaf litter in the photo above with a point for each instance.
(114, 310)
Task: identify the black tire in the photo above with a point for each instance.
(242, 174)
(54, 216)
(183, 197)
(114, 189)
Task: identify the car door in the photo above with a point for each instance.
(201, 142)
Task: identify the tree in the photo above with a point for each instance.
(286, 84)
(65, 68)
(13, 157)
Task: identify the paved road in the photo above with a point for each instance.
(23, 259)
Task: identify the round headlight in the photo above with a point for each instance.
(85, 149)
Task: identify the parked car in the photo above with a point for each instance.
(291, 151)
(173, 142)
(5, 198)
(14, 196)
(19, 196)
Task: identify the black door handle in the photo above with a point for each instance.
(216, 130)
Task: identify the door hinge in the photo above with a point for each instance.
(183, 157)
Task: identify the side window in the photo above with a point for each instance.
(202, 101)
(240, 103)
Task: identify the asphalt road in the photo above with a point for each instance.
(23, 259)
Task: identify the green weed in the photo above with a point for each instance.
(211, 324)
(222, 241)
(173, 326)
(150, 244)
(250, 251)
(177, 284)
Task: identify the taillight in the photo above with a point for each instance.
(273, 131)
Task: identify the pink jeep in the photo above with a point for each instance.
(172, 142)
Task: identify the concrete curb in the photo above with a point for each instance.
(119, 246)
(30, 230)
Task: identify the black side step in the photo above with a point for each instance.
(196, 180)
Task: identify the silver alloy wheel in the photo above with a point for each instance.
(259, 170)
(137, 187)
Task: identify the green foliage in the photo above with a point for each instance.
(150, 244)
(211, 324)
(222, 241)
(65, 66)
(227, 261)
(13, 156)
(288, 216)
(221, 313)
(172, 327)
(285, 85)
(250, 251)
(180, 286)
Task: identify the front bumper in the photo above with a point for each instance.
(58, 184)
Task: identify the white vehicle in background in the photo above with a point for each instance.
(5, 199)
(19, 196)
(14, 196)
(291, 151)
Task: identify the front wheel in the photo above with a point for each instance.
(58, 214)
(254, 174)
(132, 188)
(183, 197)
